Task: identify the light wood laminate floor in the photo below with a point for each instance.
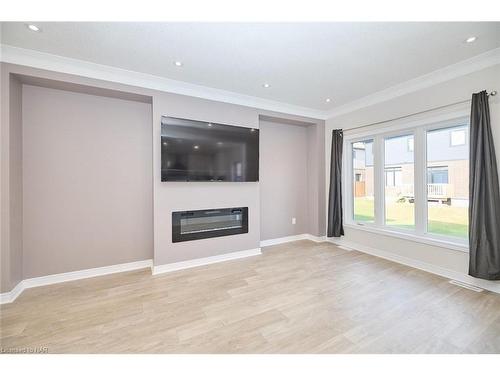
(299, 297)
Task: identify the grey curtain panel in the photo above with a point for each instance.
(335, 225)
(484, 196)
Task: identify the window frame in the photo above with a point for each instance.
(382, 138)
(419, 129)
(351, 175)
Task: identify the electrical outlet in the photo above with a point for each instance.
(294, 220)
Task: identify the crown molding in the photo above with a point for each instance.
(476, 63)
(42, 60)
(47, 61)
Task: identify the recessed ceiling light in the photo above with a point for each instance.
(178, 63)
(196, 147)
(266, 85)
(471, 39)
(33, 27)
(209, 124)
(328, 100)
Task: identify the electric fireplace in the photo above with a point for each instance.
(195, 225)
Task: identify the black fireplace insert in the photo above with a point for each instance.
(195, 225)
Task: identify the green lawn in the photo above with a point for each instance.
(443, 219)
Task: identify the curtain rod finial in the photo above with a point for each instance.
(493, 93)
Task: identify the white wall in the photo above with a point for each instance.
(448, 92)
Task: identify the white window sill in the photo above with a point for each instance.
(411, 237)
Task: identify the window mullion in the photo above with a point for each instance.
(348, 183)
(420, 182)
(440, 183)
(379, 180)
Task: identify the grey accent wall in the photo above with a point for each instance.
(87, 181)
(292, 176)
(178, 196)
(283, 179)
(67, 214)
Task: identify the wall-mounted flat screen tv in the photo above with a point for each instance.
(207, 151)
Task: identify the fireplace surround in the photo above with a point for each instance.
(209, 223)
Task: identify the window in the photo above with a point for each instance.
(392, 176)
(363, 184)
(410, 144)
(399, 181)
(447, 183)
(457, 137)
(437, 175)
(412, 181)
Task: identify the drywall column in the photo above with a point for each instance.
(11, 182)
(180, 196)
(316, 179)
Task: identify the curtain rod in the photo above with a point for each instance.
(493, 93)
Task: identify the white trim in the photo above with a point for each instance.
(409, 236)
(344, 248)
(171, 267)
(41, 60)
(314, 238)
(466, 286)
(9, 297)
(298, 237)
(71, 276)
(418, 128)
(280, 240)
(341, 244)
(47, 61)
(424, 266)
(476, 63)
(436, 117)
(84, 274)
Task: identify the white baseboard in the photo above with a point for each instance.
(70, 276)
(492, 286)
(311, 237)
(298, 237)
(277, 241)
(9, 297)
(171, 267)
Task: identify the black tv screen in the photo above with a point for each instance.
(207, 151)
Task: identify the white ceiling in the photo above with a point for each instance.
(304, 63)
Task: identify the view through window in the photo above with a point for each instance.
(363, 184)
(399, 182)
(448, 181)
(431, 201)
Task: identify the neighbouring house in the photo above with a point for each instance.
(447, 166)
